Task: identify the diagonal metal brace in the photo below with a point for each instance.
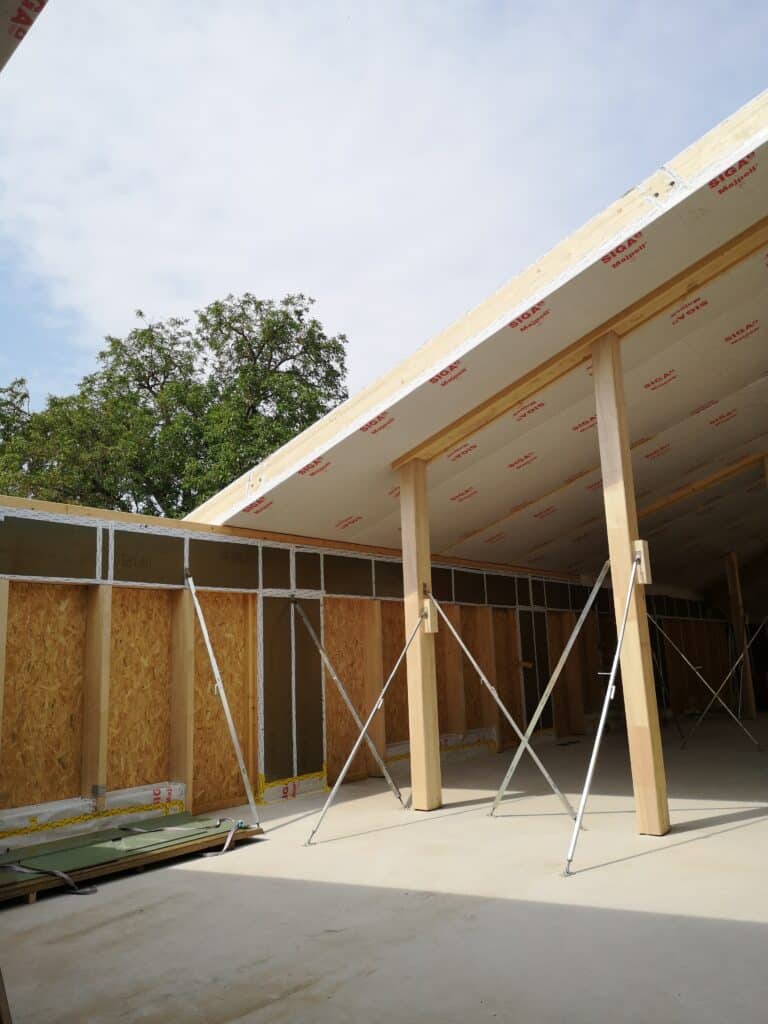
(550, 686)
(712, 690)
(492, 690)
(364, 733)
(348, 703)
(735, 665)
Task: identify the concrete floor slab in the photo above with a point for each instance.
(449, 916)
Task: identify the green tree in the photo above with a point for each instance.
(176, 409)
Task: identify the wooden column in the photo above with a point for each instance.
(646, 758)
(4, 593)
(739, 624)
(98, 645)
(423, 726)
(183, 693)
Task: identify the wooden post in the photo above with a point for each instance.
(98, 643)
(423, 725)
(4, 593)
(183, 693)
(642, 714)
(738, 622)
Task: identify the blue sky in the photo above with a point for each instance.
(398, 161)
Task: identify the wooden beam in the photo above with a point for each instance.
(424, 731)
(739, 624)
(183, 693)
(733, 469)
(646, 758)
(649, 306)
(4, 595)
(98, 643)
(703, 484)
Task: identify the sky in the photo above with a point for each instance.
(397, 161)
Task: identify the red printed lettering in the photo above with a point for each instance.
(734, 175)
(661, 381)
(531, 317)
(742, 333)
(461, 452)
(625, 252)
(523, 460)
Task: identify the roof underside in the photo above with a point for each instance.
(525, 489)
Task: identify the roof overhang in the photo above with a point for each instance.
(501, 404)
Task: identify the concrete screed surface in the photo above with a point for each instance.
(449, 916)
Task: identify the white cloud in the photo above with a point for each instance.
(398, 161)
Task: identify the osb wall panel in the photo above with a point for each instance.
(588, 650)
(348, 633)
(217, 781)
(138, 750)
(477, 634)
(43, 705)
(393, 641)
(449, 659)
(508, 673)
(705, 644)
(568, 695)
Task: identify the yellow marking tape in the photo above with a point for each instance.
(113, 812)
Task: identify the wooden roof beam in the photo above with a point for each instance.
(712, 265)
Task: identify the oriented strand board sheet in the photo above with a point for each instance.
(138, 750)
(509, 680)
(449, 659)
(217, 781)
(477, 634)
(41, 751)
(349, 634)
(588, 647)
(705, 644)
(393, 641)
(568, 695)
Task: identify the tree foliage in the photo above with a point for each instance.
(176, 409)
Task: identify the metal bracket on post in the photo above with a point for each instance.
(550, 686)
(347, 702)
(493, 692)
(640, 549)
(364, 733)
(609, 695)
(219, 688)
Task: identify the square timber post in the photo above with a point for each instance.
(424, 731)
(642, 714)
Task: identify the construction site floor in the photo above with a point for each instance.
(450, 916)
